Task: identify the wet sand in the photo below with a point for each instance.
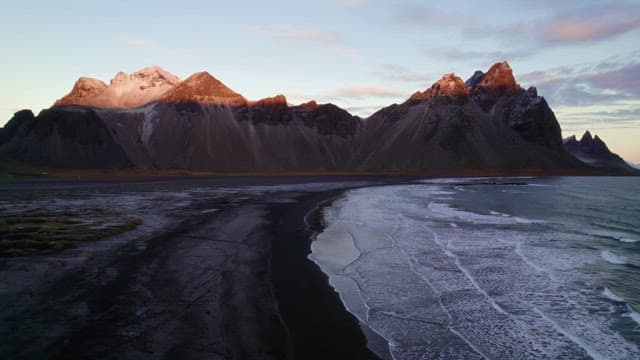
(221, 277)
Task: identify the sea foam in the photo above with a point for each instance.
(612, 258)
(437, 280)
(611, 296)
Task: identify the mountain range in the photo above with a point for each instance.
(151, 119)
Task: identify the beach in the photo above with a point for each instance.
(217, 270)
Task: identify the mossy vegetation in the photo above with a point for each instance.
(31, 233)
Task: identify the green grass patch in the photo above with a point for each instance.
(33, 233)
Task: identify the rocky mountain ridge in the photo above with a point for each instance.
(150, 120)
(594, 152)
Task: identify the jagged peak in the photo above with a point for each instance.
(499, 76)
(201, 75)
(120, 77)
(204, 78)
(448, 85)
(83, 89)
(475, 79)
(586, 136)
(592, 140)
(202, 87)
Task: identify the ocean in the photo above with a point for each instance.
(493, 268)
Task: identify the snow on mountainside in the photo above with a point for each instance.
(127, 91)
(124, 91)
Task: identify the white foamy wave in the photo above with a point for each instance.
(633, 316)
(446, 212)
(520, 253)
(613, 235)
(439, 281)
(611, 296)
(612, 258)
(498, 213)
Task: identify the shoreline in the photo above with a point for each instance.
(319, 325)
(236, 281)
(33, 173)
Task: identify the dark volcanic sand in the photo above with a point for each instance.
(312, 310)
(218, 270)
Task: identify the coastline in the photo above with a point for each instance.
(317, 321)
(221, 275)
(11, 171)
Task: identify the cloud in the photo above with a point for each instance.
(604, 82)
(603, 95)
(630, 114)
(579, 30)
(590, 24)
(577, 119)
(138, 42)
(395, 72)
(625, 80)
(308, 37)
(580, 25)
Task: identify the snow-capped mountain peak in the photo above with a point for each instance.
(124, 90)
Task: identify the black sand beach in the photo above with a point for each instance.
(319, 326)
(212, 273)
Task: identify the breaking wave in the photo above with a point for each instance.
(437, 275)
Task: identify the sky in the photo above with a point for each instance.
(362, 55)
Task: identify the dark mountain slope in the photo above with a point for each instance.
(261, 138)
(72, 137)
(488, 123)
(489, 126)
(594, 152)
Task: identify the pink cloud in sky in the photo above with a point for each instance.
(579, 30)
